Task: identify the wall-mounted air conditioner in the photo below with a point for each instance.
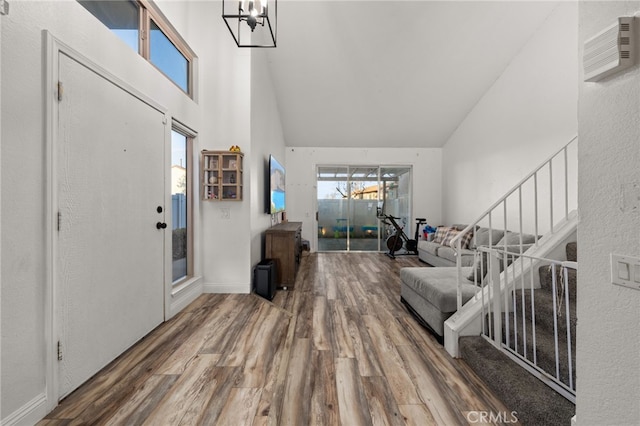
(610, 51)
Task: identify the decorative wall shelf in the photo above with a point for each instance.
(221, 175)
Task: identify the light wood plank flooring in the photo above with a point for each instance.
(339, 349)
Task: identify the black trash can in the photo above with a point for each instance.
(264, 279)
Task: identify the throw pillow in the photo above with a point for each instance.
(464, 240)
(441, 233)
(451, 233)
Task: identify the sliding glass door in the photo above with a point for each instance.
(348, 198)
(395, 197)
(363, 202)
(333, 198)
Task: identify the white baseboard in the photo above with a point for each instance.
(227, 288)
(183, 296)
(29, 414)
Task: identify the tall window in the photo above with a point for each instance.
(145, 29)
(181, 232)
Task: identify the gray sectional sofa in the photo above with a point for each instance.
(431, 293)
(437, 253)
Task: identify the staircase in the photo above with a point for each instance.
(534, 356)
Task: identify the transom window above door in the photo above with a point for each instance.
(141, 25)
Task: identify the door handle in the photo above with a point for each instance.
(161, 225)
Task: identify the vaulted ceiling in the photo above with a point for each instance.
(391, 73)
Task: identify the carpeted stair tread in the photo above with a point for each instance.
(534, 402)
(546, 280)
(544, 310)
(545, 344)
(572, 252)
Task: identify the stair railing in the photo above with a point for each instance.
(529, 191)
(513, 322)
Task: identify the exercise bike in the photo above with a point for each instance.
(399, 239)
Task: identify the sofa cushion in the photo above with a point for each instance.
(513, 238)
(447, 253)
(429, 246)
(479, 269)
(438, 285)
(481, 266)
(482, 237)
(466, 256)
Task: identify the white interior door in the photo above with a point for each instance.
(109, 256)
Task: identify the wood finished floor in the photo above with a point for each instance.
(339, 349)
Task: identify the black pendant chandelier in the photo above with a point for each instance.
(252, 23)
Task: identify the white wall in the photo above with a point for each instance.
(220, 117)
(301, 164)
(529, 113)
(225, 113)
(238, 107)
(0, 220)
(266, 138)
(608, 345)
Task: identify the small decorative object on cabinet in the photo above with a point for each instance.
(221, 175)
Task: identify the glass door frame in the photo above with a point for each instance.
(351, 222)
(189, 136)
(400, 205)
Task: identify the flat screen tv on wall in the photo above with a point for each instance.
(277, 197)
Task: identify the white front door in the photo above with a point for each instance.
(109, 254)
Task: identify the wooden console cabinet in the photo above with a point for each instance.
(284, 245)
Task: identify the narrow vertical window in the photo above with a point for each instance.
(180, 236)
